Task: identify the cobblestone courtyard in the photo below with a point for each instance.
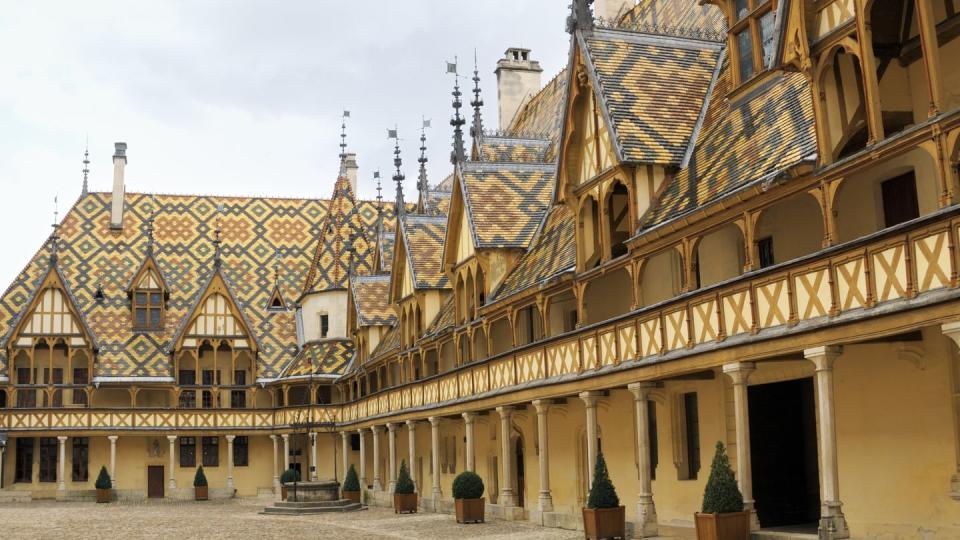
(240, 519)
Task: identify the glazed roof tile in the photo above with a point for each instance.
(321, 358)
(423, 238)
(553, 252)
(506, 203)
(371, 300)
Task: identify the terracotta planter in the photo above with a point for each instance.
(103, 495)
(732, 526)
(352, 496)
(283, 493)
(604, 523)
(405, 503)
(200, 493)
(470, 510)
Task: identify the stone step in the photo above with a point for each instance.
(311, 504)
(285, 511)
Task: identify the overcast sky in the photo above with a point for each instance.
(236, 97)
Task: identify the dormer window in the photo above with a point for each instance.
(752, 37)
(148, 302)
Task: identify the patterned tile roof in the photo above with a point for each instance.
(386, 251)
(438, 203)
(371, 299)
(514, 150)
(542, 115)
(327, 357)
(506, 203)
(257, 233)
(423, 238)
(756, 136)
(553, 251)
(653, 88)
(675, 17)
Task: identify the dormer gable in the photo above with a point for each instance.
(401, 275)
(148, 294)
(459, 244)
(216, 315)
(52, 312)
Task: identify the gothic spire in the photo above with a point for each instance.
(376, 176)
(150, 232)
(86, 169)
(398, 176)
(217, 242)
(55, 235)
(476, 130)
(422, 185)
(343, 143)
(459, 154)
(580, 18)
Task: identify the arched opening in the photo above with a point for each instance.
(521, 476)
(888, 194)
(561, 313)
(481, 288)
(948, 51)
(110, 398)
(448, 356)
(529, 325)
(719, 256)
(470, 291)
(843, 104)
(153, 398)
(589, 233)
(461, 301)
(480, 344)
(788, 230)
(465, 356)
(501, 336)
(300, 395)
(607, 296)
(661, 278)
(618, 219)
(901, 75)
(263, 399)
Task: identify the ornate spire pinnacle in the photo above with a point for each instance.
(55, 235)
(216, 239)
(153, 213)
(581, 18)
(376, 176)
(476, 130)
(459, 154)
(398, 176)
(422, 185)
(343, 142)
(86, 169)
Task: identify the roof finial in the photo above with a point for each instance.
(86, 168)
(153, 213)
(276, 268)
(476, 130)
(55, 235)
(581, 18)
(398, 175)
(422, 185)
(343, 140)
(216, 239)
(459, 154)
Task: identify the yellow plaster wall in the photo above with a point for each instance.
(790, 241)
(720, 255)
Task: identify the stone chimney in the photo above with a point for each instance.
(611, 10)
(119, 163)
(518, 79)
(350, 166)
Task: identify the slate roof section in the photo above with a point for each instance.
(756, 137)
(371, 300)
(652, 89)
(514, 150)
(327, 358)
(554, 251)
(675, 17)
(506, 202)
(255, 231)
(423, 237)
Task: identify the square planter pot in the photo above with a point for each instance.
(352, 496)
(732, 526)
(200, 493)
(470, 510)
(604, 523)
(405, 503)
(103, 495)
(283, 493)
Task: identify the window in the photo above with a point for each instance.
(211, 451)
(188, 377)
(188, 399)
(48, 459)
(147, 309)
(765, 251)
(241, 451)
(691, 437)
(188, 451)
(899, 199)
(238, 398)
(324, 325)
(80, 377)
(652, 430)
(80, 455)
(24, 461)
(752, 30)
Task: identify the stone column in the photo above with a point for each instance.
(172, 483)
(646, 511)
(345, 445)
(468, 423)
(313, 456)
(435, 457)
(507, 497)
(392, 455)
(377, 485)
(113, 459)
(230, 439)
(543, 441)
(3, 450)
(590, 403)
(739, 372)
(363, 461)
(276, 465)
(62, 463)
(832, 522)
(286, 451)
(952, 331)
(412, 451)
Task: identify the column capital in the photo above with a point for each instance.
(360, 432)
(505, 411)
(411, 424)
(344, 434)
(272, 437)
(434, 421)
(62, 438)
(823, 357)
(113, 438)
(590, 398)
(229, 438)
(172, 438)
(285, 436)
(469, 416)
(641, 390)
(313, 434)
(375, 429)
(952, 331)
(739, 371)
(391, 427)
(542, 405)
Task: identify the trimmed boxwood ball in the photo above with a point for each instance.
(103, 479)
(467, 485)
(200, 479)
(602, 492)
(722, 495)
(289, 476)
(404, 482)
(351, 482)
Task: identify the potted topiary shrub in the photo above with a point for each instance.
(468, 493)
(351, 486)
(722, 517)
(603, 517)
(404, 497)
(104, 486)
(289, 476)
(200, 485)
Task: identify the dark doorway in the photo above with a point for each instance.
(520, 474)
(155, 481)
(783, 449)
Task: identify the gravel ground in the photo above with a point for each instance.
(239, 519)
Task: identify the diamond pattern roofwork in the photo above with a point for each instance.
(386, 251)
(541, 117)
(505, 203)
(371, 300)
(679, 17)
(553, 251)
(423, 238)
(510, 150)
(321, 358)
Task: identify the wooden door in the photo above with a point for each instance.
(155, 481)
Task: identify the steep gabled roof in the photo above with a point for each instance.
(505, 203)
(218, 280)
(514, 150)
(371, 300)
(553, 252)
(327, 358)
(422, 238)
